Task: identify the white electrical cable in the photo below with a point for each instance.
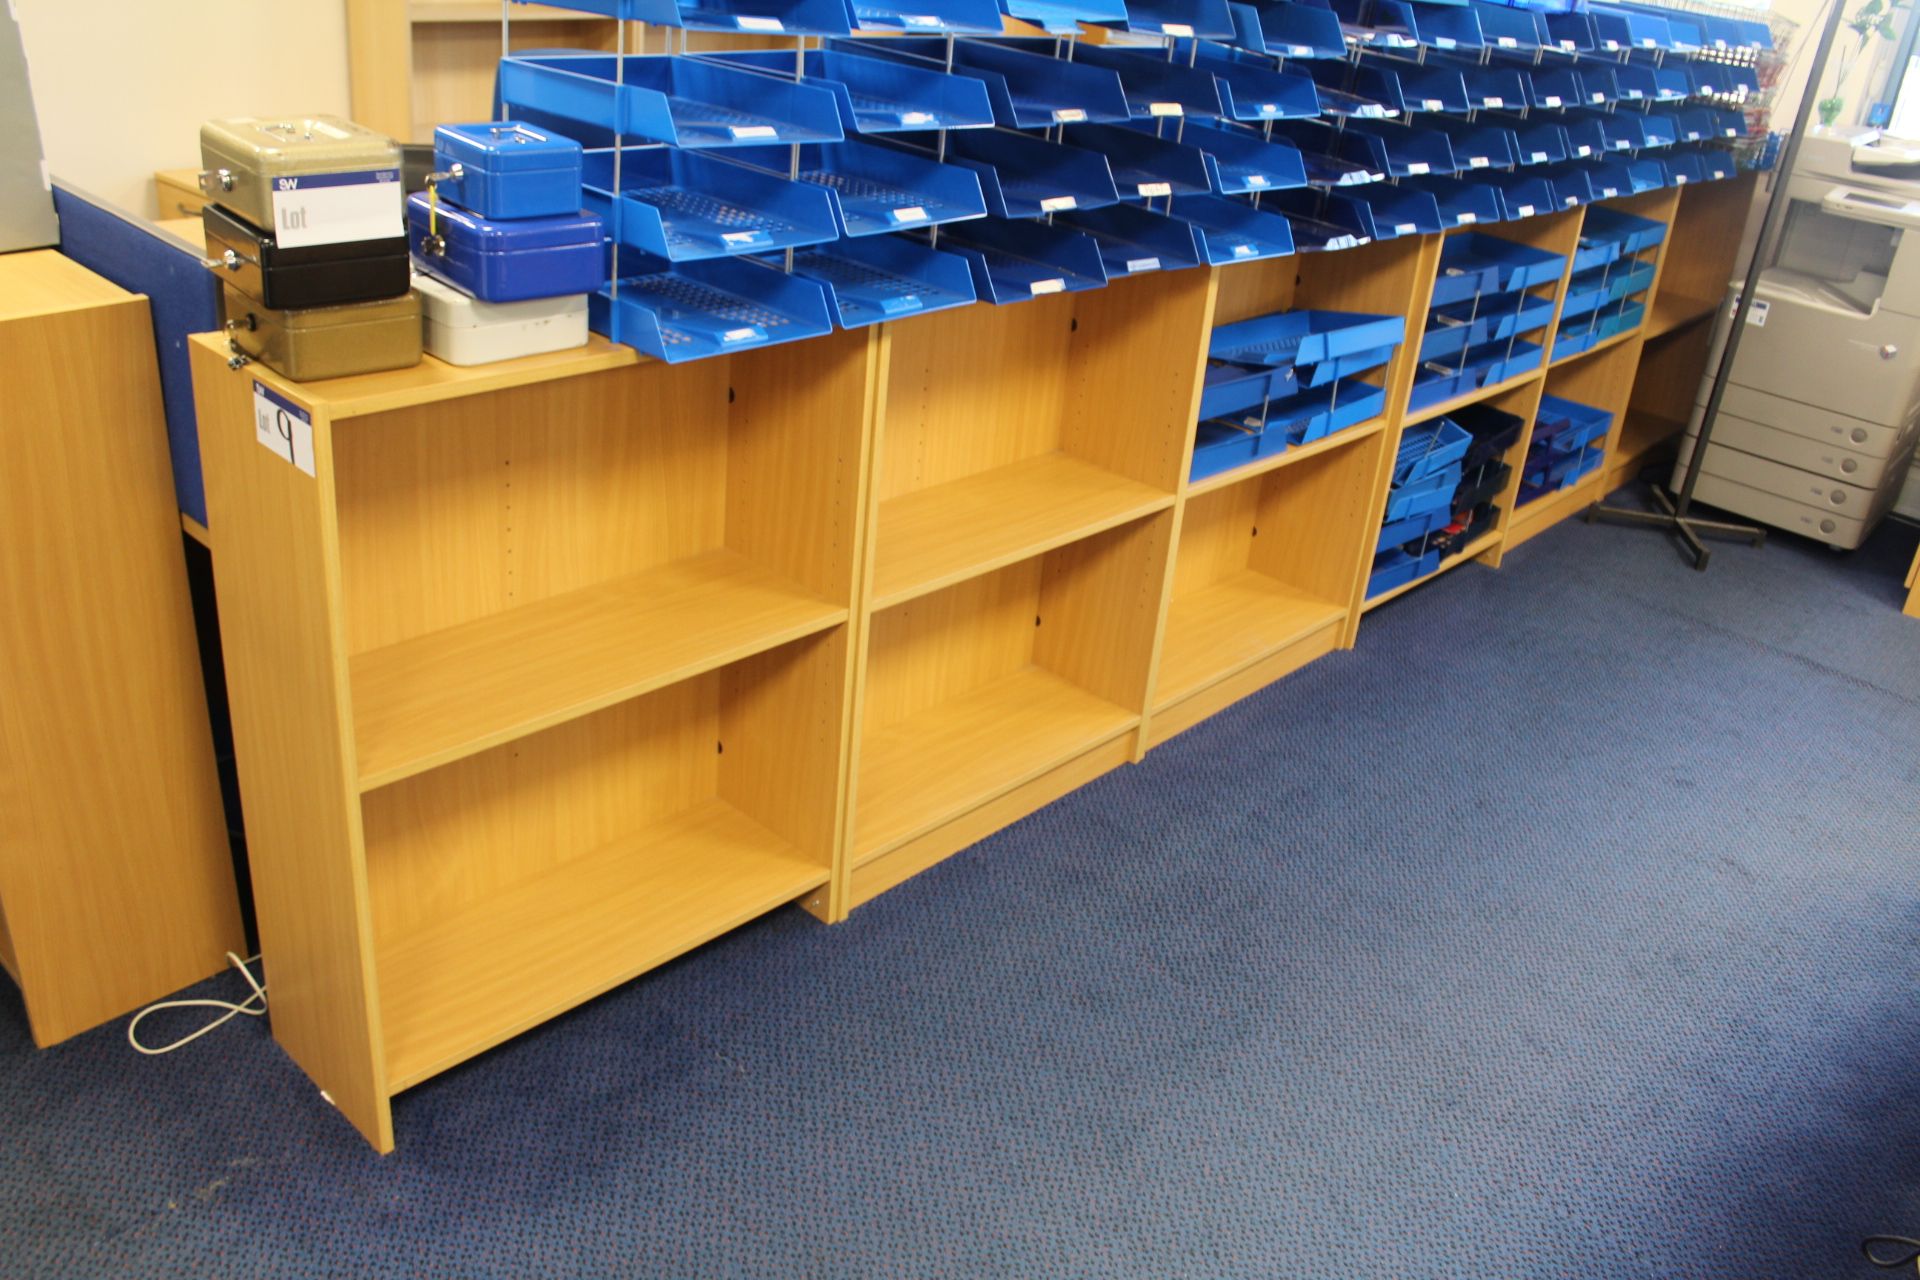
(232, 1010)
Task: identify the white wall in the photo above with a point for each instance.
(122, 86)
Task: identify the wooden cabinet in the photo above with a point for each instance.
(547, 671)
(116, 881)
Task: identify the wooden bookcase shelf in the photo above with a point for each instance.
(552, 670)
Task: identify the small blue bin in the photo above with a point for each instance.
(1564, 425)
(1249, 88)
(1134, 241)
(1241, 162)
(1396, 568)
(876, 95)
(1472, 263)
(755, 17)
(1028, 89)
(1387, 212)
(1399, 151)
(684, 206)
(1540, 139)
(1462, 202)
(508, 169)
(1144, 165)
(686, 102)
(1428, 449)
(1023, 176)
(1510, 30)
(963, 17)
(1156, 88)
(878, 189)
(1207, 19)
(1228, 386)
(1234, 232)
(1222, 446)
(1399, 533)
(1478, 144)
(1288, 338)
(1282, 30)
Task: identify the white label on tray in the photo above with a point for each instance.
(1477, 162)
(910, 213)
(1243, 251)
(1163, 109)
(1719, 44)
(331, 208)
(1608, 193)
(1635, 94)
(1568, 45)
(753, 131)
(1444, 42)
(1136, 265)
(1176, 29)
(283, 426)
(1610, 46)
(742, 237)
(1648, 42)
(1622, 145)
(1583, 150)
(1466, 218)
(916, 117)
(749, 23)
(1256, 179)
(1069, 115)
(1051, 203)
(1419, 167)
(1156, 188)
(1571, 200)
(1538, 157)
(919, 20)
(1507, 42)
(1493, 103)
(1597, 97)
(1055, 285)
(746, 334)
(1405, 228)
(1525, 211)
(1433, 104)
(1679, 179)
(1551, 100)
(1693, 135)
(1300, 50)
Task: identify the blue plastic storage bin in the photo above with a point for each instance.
(963, 17)
(1567, 424)
(1241, 162)
(876, 189)
(1494, 431)
(687, 102)
(1249, 88)
(1134, 241)
(1063, 17)
(1629, 233)
(1397, 150)
(1477, 144)
(885, 278)
(1509, 29)
(1232, 386)
(876, 95)
(700, 309)
(507, 261)
(1359, 91)
(1412, 529)
(1474, 369)
(1462, 202)
(1014, 261)
(755, 17)
(1023, 176)
(1472, 263)
(1585, 138)
(1317, 412)
(1397, 567)
(684, 206)
(1387, 212)
(508, 170)
(1208, 19)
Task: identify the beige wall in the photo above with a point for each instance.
(121, 86)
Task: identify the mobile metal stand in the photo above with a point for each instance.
(1675, 509)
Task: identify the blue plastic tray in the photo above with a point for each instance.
(1571, 32)
(1028, 89)
(1494, 431)
(1399, 533)
(1155, 88)
(1428, 448)
(877, 189)
(1629, 232)
(1493, 86)
(1472, 263)
(1586, 140)
(1490, 318)
(1063, 17)
(885, 278)
(755, 17)
(1729, 123)
(1249, 88)
(1241, 162)
(1616, 28)
(1356, 91)
(1398, 150)
(961, 16)
(1234, 232)
(700, 309)
(1563, 425)
(1287, 338)
(1540, 140)
(1421, 88)
(683, 101)
(1477, 144)
(1475, 369)
(1315, 413)
(1235, 387)
(1522, 193)
(684, 206)
(1015, 261)
(1635, 82)
(876, 95)
(1396, 568)
(1387, 212)
(1715, 164)
(1553, 86)
(1509, 29)
(1373, 26)
(1145, 166)
(1463, 203)
(1571, 187)
(1134, 240)
(1320, 225)
(1625, 175)
(1283, 30)
(1023, 176)
(1671, 83)
(1436, 26)
(1208, 19)
(1682, 167)
(1222, 446)
(1594, 289)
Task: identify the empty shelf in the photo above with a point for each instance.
(938, 536)
(936, 765)
(1229, 625)
(438, 697)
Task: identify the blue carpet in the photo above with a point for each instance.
(1578, 945)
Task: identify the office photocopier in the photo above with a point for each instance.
(1817, 427)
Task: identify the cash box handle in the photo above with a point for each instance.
(232, 259)
(213, 181)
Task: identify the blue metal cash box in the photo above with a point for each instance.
(507, 261)
(508, 170)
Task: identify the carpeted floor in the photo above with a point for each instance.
(1566, 928)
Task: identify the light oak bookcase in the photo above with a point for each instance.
(555, 669)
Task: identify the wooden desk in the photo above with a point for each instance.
(116, 884)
